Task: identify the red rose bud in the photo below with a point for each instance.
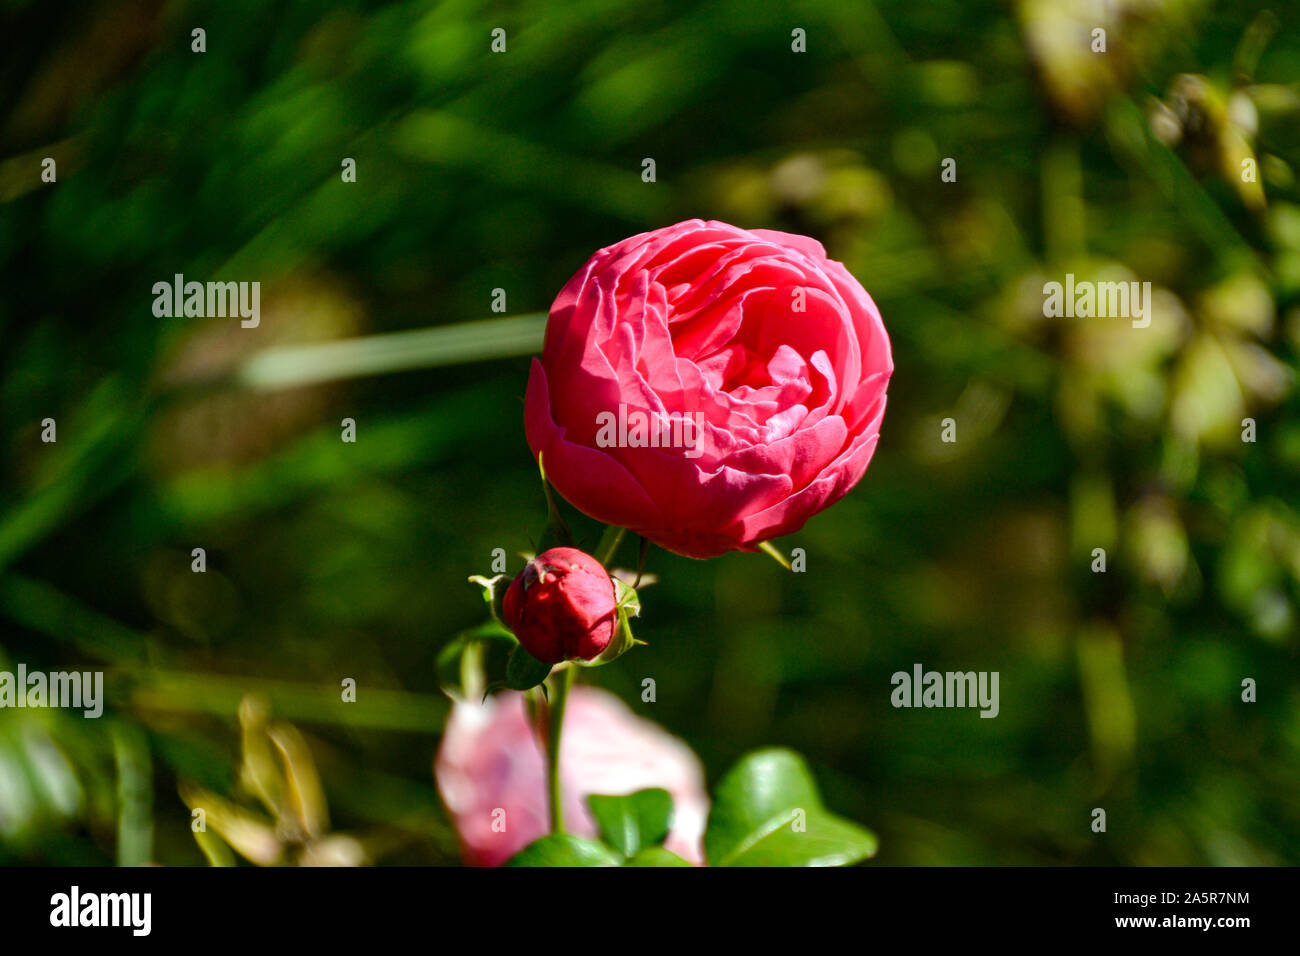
(562, 606)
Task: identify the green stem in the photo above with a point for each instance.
(560, 692)
(609, 543)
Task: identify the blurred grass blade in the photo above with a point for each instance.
(44, 609)
(1108, 703)
(181, 692)
(81, 472)
(134, 796)
(295, 365)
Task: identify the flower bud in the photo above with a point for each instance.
(562, 606)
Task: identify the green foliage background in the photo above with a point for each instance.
(477, 171)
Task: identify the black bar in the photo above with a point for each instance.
(875, 903)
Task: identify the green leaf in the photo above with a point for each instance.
(657, 856)
(489, 586)
(471, 655)
(523, 671)
(564, 849)
(767, 812)
(631, 822)
(628, 606)
(625, 596)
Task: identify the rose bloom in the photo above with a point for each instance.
(490, 758)
(709, 387)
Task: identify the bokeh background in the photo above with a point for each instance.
(478, 171)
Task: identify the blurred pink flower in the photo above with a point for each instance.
(490, 759)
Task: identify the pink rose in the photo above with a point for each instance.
(709, 387)
(490, 760)
(561, 606)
